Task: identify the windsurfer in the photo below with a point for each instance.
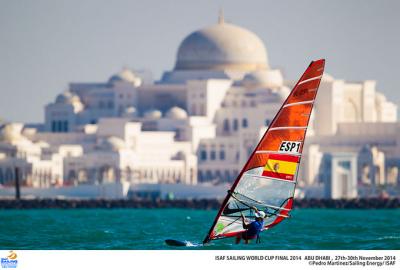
(275, 161)
(253, 229)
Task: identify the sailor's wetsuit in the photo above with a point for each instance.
(253, 230)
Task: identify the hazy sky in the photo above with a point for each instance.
(46, 44)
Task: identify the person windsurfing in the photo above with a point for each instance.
(274, 162)
(253, 229)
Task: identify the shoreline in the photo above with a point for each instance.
(204, 204)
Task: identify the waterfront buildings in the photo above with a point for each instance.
(199, 123)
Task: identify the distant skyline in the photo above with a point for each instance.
(47, 44)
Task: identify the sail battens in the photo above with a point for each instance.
(298, 103)
(284, 216)
(276, 152)
(311, 79)
(287, 127)
(272, 178)
(261, 203)
(268, 179)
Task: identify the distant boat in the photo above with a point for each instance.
(268, 180)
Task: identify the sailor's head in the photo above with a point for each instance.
(260, 215)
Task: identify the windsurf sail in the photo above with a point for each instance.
(268, 179)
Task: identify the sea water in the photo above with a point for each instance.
(148, 228)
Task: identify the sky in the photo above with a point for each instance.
(46, 44)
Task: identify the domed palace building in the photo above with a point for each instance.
(199, 123)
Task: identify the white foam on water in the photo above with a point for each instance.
(389, 237)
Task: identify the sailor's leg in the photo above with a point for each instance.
(238, 238)
(245, 237)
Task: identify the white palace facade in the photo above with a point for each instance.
(199, 123)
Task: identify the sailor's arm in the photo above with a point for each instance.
(245, 226)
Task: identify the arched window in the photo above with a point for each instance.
(200, 175)
(222, 155)
(72, 176)
(212, 155)
(209, 175)
(267, 122)
(235, 124)
(9, 176)
(226, 125)
(245, 123)
(65, 126)
(203, 155)
(59, 126)
(53, 126)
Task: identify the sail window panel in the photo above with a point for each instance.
(227, 226)
(263, 190)
(265, 194)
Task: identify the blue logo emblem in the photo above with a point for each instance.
(10, 261)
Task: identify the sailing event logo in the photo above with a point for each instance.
(9, 261)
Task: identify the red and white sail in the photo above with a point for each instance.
(268, 179)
